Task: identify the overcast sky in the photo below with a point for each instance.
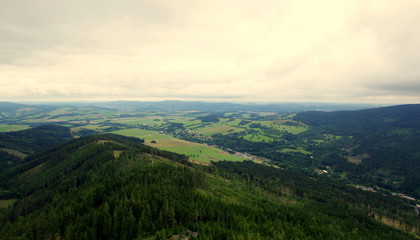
(211, 50)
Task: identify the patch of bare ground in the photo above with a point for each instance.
(198, 162)
(397, 224)
(186, 235)
(354, 160)
(357, 159)
(117, 154)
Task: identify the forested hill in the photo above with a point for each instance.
(382, 142)
(36, 139)
(15, 146)
(8, 106)
(113, 187)
(171, 105)
(360, 121)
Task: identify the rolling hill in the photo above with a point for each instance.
(380, 146)
(115, 187)
(15, 146)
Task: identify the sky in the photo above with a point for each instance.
(346, 51)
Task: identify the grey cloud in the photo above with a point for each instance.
(397, 88)
(30, 26)
(48, 13)
(268, 50)
(397, 37)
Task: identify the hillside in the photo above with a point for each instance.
(14, 146)
(36, 139)
(353, 122)
(13, 113)
(379, 146)
(9, 107)
(114, 187)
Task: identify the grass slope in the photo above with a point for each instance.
(195, 151)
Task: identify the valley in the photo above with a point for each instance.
(356, 161)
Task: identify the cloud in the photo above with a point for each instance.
(407, 88)
(332, 51)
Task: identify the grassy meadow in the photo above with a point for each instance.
(257, 137)
(195, 151)
(298, 150)
(254, 127)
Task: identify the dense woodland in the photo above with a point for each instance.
(30, 141)
(113, 187)
(389, 136)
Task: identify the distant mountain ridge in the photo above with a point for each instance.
(393, 116)
(175, 105)
(172, 105)
(8, 106)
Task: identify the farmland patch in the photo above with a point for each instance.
(12, 128)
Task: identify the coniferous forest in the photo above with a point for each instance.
(114, 187)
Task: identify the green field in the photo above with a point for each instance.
(222, 129)
(281, 126)
(199, 152)
(293, 129)
(12, 128)
(234, 122)
(188, 122)
(63, 110)
(255, 137)
(195, 151)
(152, 121)
(298, 150)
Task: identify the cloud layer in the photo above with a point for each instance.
(272, 51)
